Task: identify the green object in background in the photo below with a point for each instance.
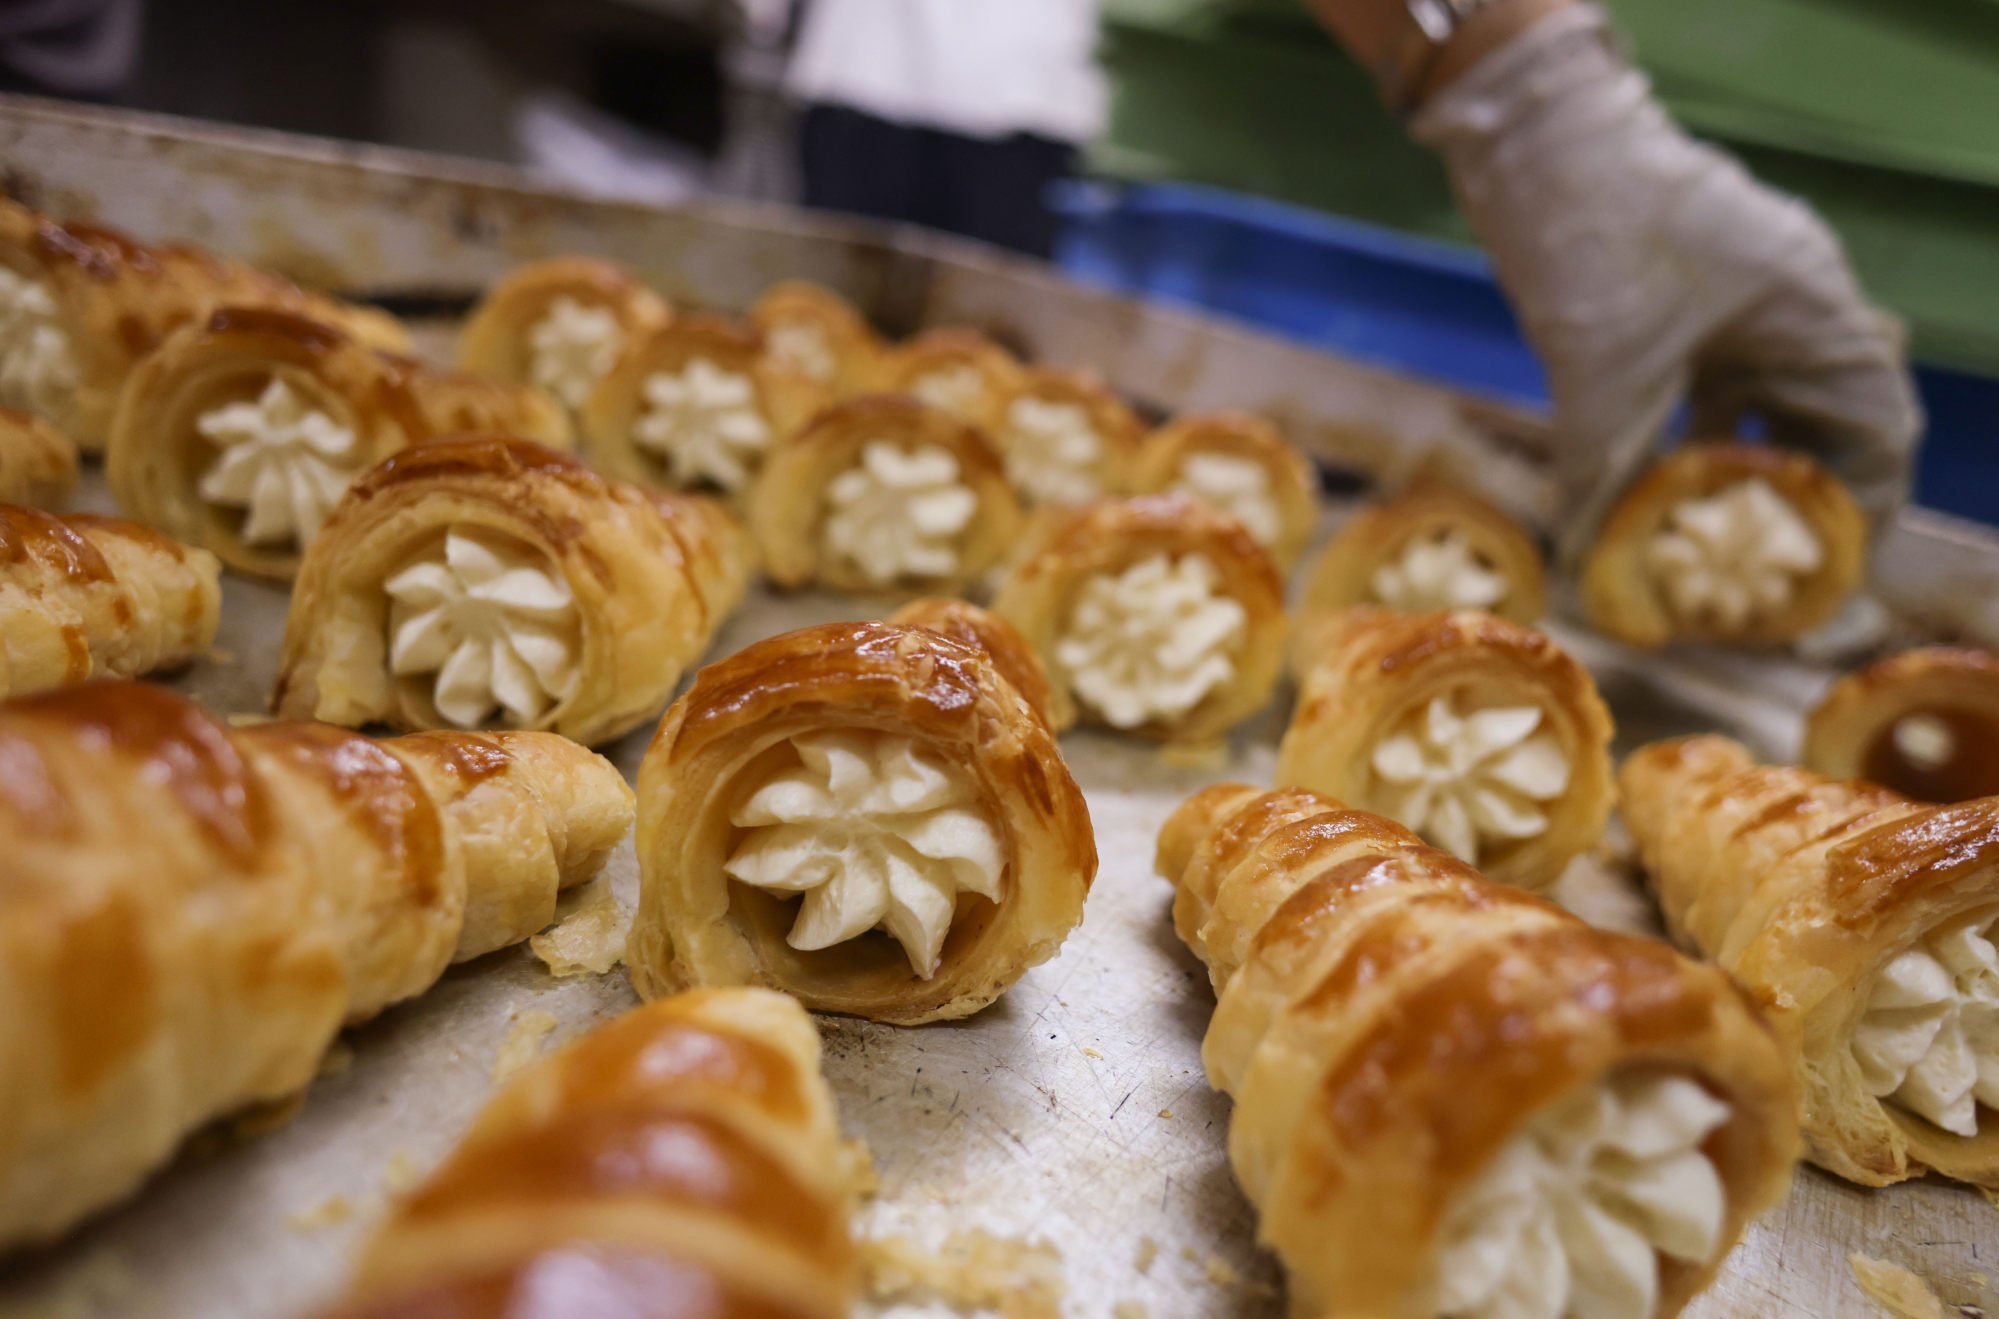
(1884, 115)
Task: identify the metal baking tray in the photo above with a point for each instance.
(1070, 1121)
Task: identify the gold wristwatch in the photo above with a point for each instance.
(1403, 68)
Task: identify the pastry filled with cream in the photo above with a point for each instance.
(572, 347)
(487, 627)
(1239, 486)
(899, 514)
(703, 424)
(873, 831)
(1439, 571)
(806, 348)
(1053, 452)
(279, 462)
(1150, 642)
(1470, 780)
(1572, 1217)
(1927, 1041)
(1734, 557)
(38, 369)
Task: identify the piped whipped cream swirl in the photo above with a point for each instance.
(1151, 642)
(956, 387)
(571, 348)
(38, 368)
(1438, 572)
(1052, 451)
(1469, 780)
(878, 832)
(1238, 486)
(703, 422)
(282, 461)
(805, 348)
(1928, 1038)
(1735, 557)
(899, 514)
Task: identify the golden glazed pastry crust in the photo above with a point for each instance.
(288, 878)
(1118, 432)
(158, 454)
(789, 507)
(1293, 484)
(117, 299)
(1388, 1019)
(653, 574)
(1380, 534)
(37, 462)
(729, 732)
(1951, 696)
(981, 629)
(1803, 888)
(1623, 595)
(1366, 672)
(851, 345)
(991, 374)
(683, 1159)
(85, 596)
(1067, 547)
(496, 339)
(781, 397)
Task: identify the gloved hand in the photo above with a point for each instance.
(1647, 268)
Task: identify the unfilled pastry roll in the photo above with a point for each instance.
(819, 334)
(1454, 1100)
(1865, 920)
(480, 581)
(81, 305)
(241, 433)
(956, 369)
(1924, 722)
(869, 817)
(984, 630)
(559, 325)
(1730, 543)
(85, 597)
(1431, 547)
(1157, 615)
(1242, 464)
(698, 404)
(193, 911)
(1483, 736)
(883, 493)
(37, 461)
(682, 1160)
(1066, 439)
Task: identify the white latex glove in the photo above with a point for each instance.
(1647, 268)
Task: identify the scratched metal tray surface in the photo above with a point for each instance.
(1073, 1113)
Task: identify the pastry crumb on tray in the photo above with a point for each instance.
(968, 1271)
(1896, 1290)
(589, 939)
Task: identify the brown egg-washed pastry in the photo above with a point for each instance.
(959, 370)
(984, 630)
(819, 334)
(1924, 722)
(81, 305)
(1157, 615)
(1866, 920)
(559, 325)
(869, 817)
(1453, 1099)
(682, 1160)
(37, 461)
(698, 404)
(1431, 547)
(83, 597)
(478, 581)
(883, 494)
(193, 910)
(1483, 736)
(240, 434)
(1242, 464)
(1733, 543)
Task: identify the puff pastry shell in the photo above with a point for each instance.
(865, 689)
(1431, 547)
(618, 590)
(959, 370)
(85, 596)
(1066, 438)
(1732, 543)
(37, 461)
(1482, 735)
(981, 629)
(684, 1155)
(559, 325)
(287, 878)
(819, 334)
(1924, 722)
(1389, 1024)
(96, 302)
(1106, 596)
(241, 432)
(1242, 464)
(1809, 891)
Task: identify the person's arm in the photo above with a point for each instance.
(1647, 269)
